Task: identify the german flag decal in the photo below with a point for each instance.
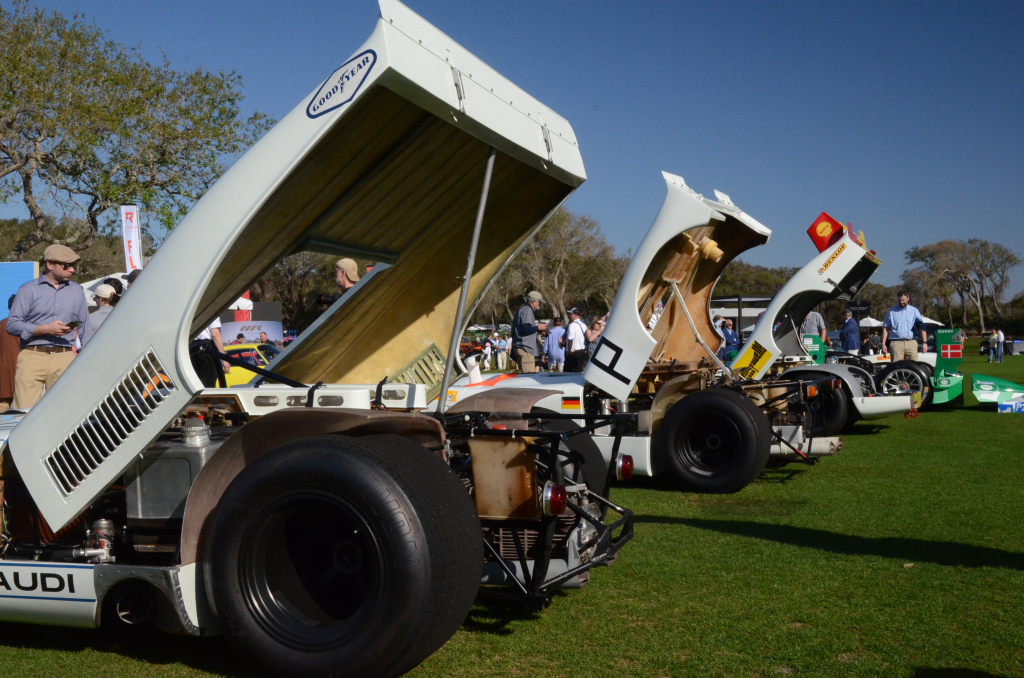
(571, 404)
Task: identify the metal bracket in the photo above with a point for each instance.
(679, 297)
(460, 89)
(547, 142)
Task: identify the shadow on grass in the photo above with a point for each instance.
(946, 553)
(782, 474)
(494, 611)
(923, 672)
(147, 644)
(863, 428)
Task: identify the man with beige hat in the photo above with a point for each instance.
(347, 274)
(46, 314)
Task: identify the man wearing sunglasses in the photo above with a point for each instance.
(46, 314)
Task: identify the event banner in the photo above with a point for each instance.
(132, 237)
(250, 331)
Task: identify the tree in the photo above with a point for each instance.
(568, 261)
(87, 124)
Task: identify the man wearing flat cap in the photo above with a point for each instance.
(46, 314)
(524, 334)
(346, 274)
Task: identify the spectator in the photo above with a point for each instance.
(263, 337)
(10, 346)
(524, 334)
(575, 342)
(118, 290)
(850, 334)
(501, 351)
(813, 324)
(132, 275)
(212, 333)
(106, 297)
(871, 344)
(553, 348)
(239, 339)
(487, 354)
(716, 322)
(346, 274)
(898, 329)
(45, 314)
(593, 334)
(732, 341)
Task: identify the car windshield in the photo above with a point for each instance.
(269, 350)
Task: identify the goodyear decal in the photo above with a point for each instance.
(342, 85)
(835, 255)
(571, 404)
(752, 361)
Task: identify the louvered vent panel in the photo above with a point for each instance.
(427, 369)
(123, 410)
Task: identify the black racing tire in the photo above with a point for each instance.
(904, 377)
(594, 467)
(338, 556)
(715, 441)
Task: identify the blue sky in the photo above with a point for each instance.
(902, 118)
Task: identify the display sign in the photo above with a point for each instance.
(251, 331)
(859, 307)
(132, 237)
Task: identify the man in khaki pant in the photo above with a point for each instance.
(46, 314)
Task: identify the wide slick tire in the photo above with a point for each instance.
(905, 377)
(337, 556)
(715, 441)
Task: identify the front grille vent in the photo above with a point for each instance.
(139, 393)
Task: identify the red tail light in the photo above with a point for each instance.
(624, 467)
(554, 499)
(836, 383)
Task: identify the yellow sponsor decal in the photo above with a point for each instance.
(824, 228)
(752, 361)
(835, 255)
(452, 395)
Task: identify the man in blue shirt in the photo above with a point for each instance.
(898, 327)
(850, 334)
(732, 341)
(46, 314)
(553, 348)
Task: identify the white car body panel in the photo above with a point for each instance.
(150, 331)
(569, 384)
(47, 593)
(820, 276)
(645, 463)
(881, 406)
(626, 344)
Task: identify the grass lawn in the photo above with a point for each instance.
(901, 556)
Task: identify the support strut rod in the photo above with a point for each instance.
(460, 311)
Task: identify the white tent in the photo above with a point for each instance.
(929, 321)
(870, 322)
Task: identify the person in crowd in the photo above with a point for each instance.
(10, 347)
(574, 341)
(593, 334)
(850, 334)
(488, 348)
(1000, 341)
(263, 337)
(132, 275)
(655, 317)
(47, 313)
(992, 338)
(239, 339)
(501, 351)
(898, 329)
(553, 347)
(346, 274)
(732, 341)
(524, 334)
(871, 344)
(106, 297)
(716, 322)
(212, 333)
(813, 324)
(118, 290)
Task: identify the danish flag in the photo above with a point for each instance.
(952, 351)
